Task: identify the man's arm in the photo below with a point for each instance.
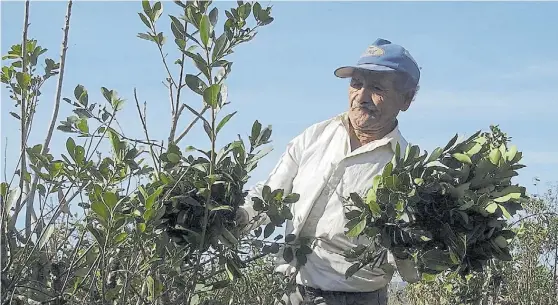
(281, 177)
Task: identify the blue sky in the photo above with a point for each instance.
(482, 64)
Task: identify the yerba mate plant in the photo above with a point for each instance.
(447, 211)
(145, 222)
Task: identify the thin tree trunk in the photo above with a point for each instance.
(54, 118)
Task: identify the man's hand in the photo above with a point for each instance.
(241, 217)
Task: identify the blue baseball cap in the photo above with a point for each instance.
(383, 55)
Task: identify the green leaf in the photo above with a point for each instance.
(491, 208)
(387, 170)
(71, 147)
(435, 154)
(511, 153)
(427, 277)
(120, 237)
(501, 241)
(224, 121)
(110, 199)
(256, 129)
(505, 212)
(374, 208)
(291, 198)
(290, 238)
(219, 47)
(100, 209)
(437, 260)
(79, 155)
(213, 16)
(211, 95)
(400, 205)
(205, 28)
(23, 80)
(45, 235)
(15, 115)
(266, 193)
(151, 199)
(82, 126)
(141, 227)
(145, 20)
(392, 182)
(451, 143)
(221, 207)
(147, 37)
(117, 104)
(256, 10)
(108, 94)
(195, 84)
(98, 234)
(288, 255)
(357, 200)
(269, 229)
(357, 229)
(78, 91)
(157, 11)
(227, 238)
(177, 29)
(463, 158)
(172, 157)
(495, 156)
(146, 7)
(474, 149)
(507, 197)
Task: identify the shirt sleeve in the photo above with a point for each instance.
(281, 177)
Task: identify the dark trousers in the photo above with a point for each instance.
(312, 296)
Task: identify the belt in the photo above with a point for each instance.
(312, 295)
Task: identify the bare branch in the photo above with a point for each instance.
(143, 119)
(198, 116)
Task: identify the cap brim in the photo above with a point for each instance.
(345, 72)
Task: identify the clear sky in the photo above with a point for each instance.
(482, 64)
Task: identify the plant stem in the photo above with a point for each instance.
(23, 167)
(208, 200)
(143, 119)
(176, 115)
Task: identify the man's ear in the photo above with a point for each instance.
(408, 99)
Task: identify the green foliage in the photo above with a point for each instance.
(447, 210)
(157, 223)
(529, 279)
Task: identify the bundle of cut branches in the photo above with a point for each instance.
(448, 210)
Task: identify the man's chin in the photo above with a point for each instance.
(366, 124)
(364, 118)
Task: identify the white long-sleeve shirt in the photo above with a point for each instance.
(319, 165)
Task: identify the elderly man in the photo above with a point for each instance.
(334, 158)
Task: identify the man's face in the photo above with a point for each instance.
(375, 99)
